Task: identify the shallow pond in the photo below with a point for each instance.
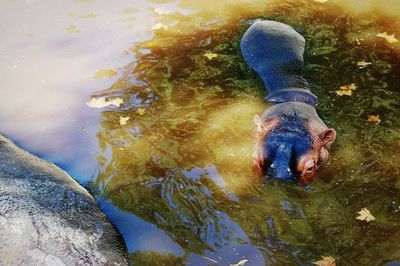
(174, 158)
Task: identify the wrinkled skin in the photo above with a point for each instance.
(292, 141)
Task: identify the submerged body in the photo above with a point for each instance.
(292, 141)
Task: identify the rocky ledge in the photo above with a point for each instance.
(47, 218)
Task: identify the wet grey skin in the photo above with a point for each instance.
(47, 218)
(275, 51)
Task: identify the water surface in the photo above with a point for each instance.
(176, 178)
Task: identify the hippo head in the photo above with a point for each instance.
(288, 149)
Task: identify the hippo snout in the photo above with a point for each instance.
(277, 172)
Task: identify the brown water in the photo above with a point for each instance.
(176, 179)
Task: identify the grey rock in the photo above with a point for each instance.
(47, 218)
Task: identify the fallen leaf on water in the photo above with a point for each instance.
(349, 87)
(72, 29)
(389, 38)
(102, 102)
(90, 15)
(374, 119)
(129, 10)
(362, 64)
(159, 26)
(346, 89)
(240, 263)
(123, 120)
(105, 73)
(210, 56)
(321, 1)
(365, 215)
(344, 92)
(160, 11)
(326, 261)
(140, 111)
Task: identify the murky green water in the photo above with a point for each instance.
(176, 178)
(184, 165)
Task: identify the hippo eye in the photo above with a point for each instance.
(309, 165)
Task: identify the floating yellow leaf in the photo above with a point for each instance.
(129, 10)
(362, 64)
(159, 26)
(140, 111)
(326, 261)
(105, 73)
(321, 1)
(90, 15)
(346, 90)
(160, 11)
(210, 56)
(102, 102)
(73, 29)
(343, 92)
(365, 215)
(389, 38)
(374, 119)
(123, 120)
(350, 87)
(240, 263)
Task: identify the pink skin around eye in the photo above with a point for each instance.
(306, 162)
(318, 158)
(323, 156)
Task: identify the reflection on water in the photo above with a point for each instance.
(50, 52)
(176, 179)
(184, 164)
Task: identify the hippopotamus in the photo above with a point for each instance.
(292, 142)
(47, 218)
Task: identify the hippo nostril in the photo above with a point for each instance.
(270, 171)
(284, 174)
(279, 172)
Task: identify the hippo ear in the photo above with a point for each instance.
(327, 137)
(261, 128)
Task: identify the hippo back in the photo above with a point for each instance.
(275, 51)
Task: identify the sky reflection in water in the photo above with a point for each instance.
(49, 53)
(176, 179)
